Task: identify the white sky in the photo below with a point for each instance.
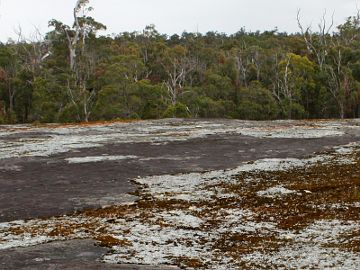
(175, 16)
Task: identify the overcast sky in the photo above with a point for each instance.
(175, 16)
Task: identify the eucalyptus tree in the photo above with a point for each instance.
(117, 95)
(82, 60)
(329, 49)
(177, 65)
(295, 77)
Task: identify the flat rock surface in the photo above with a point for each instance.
(69, 255)
(55, 170)
(37, 179)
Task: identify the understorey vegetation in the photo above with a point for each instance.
(73, 74)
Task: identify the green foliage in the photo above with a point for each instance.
(177, 110)
(257, 103)
(152, 102)
(217, 87)
(111, 103)
(147, 75)
(209, 108)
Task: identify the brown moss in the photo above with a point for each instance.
(110, 212)
(61, 231)
(17, 231)
(65, 230)
(328, 184)
(236, 244)
(109, 241)
(189, 262)
(163, 204)
(349, 241)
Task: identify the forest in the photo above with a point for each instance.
(73, 74)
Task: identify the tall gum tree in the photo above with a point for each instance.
(82, 61)
(295, 76)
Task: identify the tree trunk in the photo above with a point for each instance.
(341, 111)
(72, 55)
(11, 94)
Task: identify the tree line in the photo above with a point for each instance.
(72, 74)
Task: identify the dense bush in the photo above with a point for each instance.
(257, 103)
(247, 75)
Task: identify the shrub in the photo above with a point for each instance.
(178, 110)
(257, 103)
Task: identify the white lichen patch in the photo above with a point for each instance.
(194, 186)
(23, 240)
(10, 167)
(294, 131)
(91, 159)
(311, 248)
(337, 206)
(277, 191)
(179, 218)
(304, 256)
(156, 245)
(168, 157)
(14, 143)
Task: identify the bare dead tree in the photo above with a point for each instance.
(317, 43)
(177, 71)
(282, 87)
(328, 50)
(241, 65)
(276, 86)
(73, 38)
(7, 74)
(338, 81)
(256, 61)
(35, 50)
(241, 68)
